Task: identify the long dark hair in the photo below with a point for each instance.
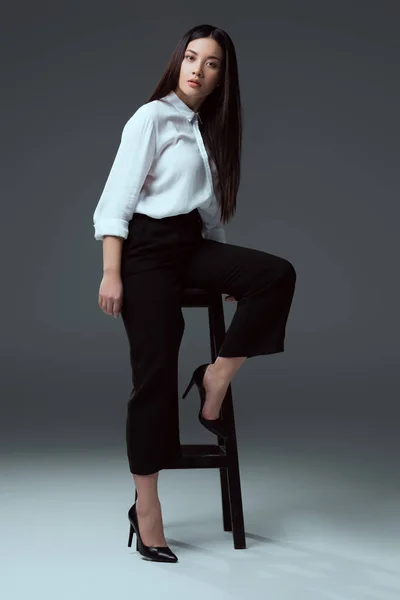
(220, 113)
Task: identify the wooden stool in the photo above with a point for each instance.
(224, 455)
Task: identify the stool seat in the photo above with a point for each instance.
(224, 454)
(197, 297)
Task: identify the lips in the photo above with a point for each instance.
(194, 81)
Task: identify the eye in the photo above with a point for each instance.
(213, 64)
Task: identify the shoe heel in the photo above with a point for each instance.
(131, 532)
(185, 393)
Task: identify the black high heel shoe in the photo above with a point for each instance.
(216, 426)
(155, 553)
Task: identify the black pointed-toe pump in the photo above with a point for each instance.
(155, 553)
(216, 426)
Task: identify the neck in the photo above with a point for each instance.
(192, 103)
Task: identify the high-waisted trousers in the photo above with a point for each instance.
(161, 257)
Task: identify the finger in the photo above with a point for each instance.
(102, 304)
(110, 307)
(117, 307)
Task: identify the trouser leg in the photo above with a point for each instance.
(154, 325)
(262, 283)
(154, 260)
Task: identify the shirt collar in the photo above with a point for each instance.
(180, 105)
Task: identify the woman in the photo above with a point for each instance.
(161, 216)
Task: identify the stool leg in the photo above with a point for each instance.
(223, 472)
(231, 493)
(235, 492)
(226, 509)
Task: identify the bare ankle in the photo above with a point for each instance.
(147, 491)
(227, 367)
(147, 505)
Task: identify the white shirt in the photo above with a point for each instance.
(161, 169)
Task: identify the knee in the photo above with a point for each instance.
(280, 269)
(276, 269)
(287, 270)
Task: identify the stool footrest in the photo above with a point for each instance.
(200, 456)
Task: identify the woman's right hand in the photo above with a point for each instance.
(110, 294)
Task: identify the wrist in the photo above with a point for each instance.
(111, 272)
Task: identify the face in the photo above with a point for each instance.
(202, 62)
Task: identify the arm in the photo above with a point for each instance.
(112, 251)
(127, 175)
(211, 216)
(212, 225)
(111, 289)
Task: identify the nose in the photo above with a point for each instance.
(197, 71)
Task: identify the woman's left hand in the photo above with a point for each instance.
(230, 299)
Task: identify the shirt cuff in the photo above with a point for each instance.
(216, 233)
(117, 227)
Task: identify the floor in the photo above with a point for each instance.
(322, 521)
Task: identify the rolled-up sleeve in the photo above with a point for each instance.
(215, 233)
(131, 165)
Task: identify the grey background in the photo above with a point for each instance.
(320, 89)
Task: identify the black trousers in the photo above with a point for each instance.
(159, 258)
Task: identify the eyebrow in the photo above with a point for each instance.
(194, 52)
